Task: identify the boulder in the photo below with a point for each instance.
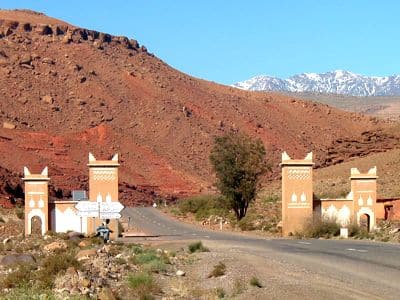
(85, 254)
(12, 259)
(180, 273)
(9, 125)
(57, 245)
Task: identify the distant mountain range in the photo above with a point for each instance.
(336, 82)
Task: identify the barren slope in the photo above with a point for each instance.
(70, 90)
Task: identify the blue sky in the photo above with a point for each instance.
(229, 41)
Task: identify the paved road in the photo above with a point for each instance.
(371, 267)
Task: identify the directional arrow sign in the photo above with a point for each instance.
(110, 207)
(87, 208)
(109, 215)
(92, 214)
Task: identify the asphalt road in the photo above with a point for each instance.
(370, 268)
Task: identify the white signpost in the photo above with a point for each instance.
(87, 209)
(103, 210)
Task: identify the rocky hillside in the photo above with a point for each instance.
(336, 82)
(66, 91)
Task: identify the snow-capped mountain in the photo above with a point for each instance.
(336, 82)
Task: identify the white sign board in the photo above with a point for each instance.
(92, 214)
(102, 210)
(110, 207)
(109, 215)
(87, 206)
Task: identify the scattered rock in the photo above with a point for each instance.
(57, 245)
(6, 240)
(9, 125)
(48, 60)
(84, 243)
(25, 59)
(12, 259)
(48, 99)
(180, 273)
(85, 282)
(106, 294)
(85, 254)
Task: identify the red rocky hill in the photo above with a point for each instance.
(69, 90)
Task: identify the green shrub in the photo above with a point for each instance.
(20, 276)
(220, 292)
(28, 292)
(218, 270)
(19, 212)
(246, 223)
(204, 206)
(358, 232)
(255, 282)
(155, 266)
(151, 261)
(197, 247)
(142, 284)
(318, 227)
(54, 264)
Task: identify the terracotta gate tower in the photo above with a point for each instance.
(36, 200)
(297, 192)
(103, 187)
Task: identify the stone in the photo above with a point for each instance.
(6, 240)
(85, 282)
(180, 273)
(106, 294)
(85, 254)
(48, 60)
(25, 59)
(9, 125)
(48, 99)
(57, 245)
(84, 243)
(12, 259)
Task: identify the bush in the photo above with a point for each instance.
(255, 282)
(220, 292)
(54, 264)
(19, 212)
(142, 285)
(247, 223)
(318, 227)
(218, 270)
(19, 277)
(151, 261)
(197, 247)
(358, 232)
(204, 206)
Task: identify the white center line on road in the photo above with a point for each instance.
(305, 243)
(358, 250)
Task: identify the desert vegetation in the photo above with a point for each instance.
(239, 163)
